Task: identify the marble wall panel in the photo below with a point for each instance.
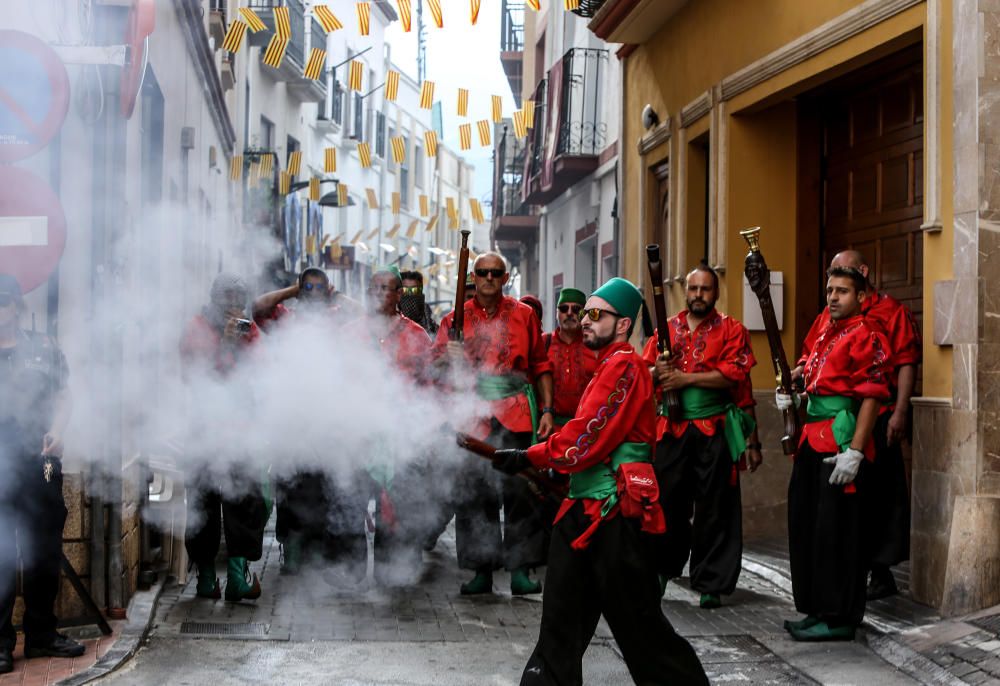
(956, 311)
(964, 371)
(965, 242)
(765, 492)
(928, 558)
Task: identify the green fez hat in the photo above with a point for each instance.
(390, 269)
(623, 296)
(572, 295)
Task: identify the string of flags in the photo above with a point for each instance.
(391, 85)
(279, 41)
(330, 160)
(364, 10)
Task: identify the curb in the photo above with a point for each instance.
(140, 613)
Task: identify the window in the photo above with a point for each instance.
(418, 166)
(359, 118)
(266, 141)
(390, 135)
(380, 134)
(404, 175)
(338, 103)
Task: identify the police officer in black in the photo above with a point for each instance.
(34, 409)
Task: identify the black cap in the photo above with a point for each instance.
(9, 285)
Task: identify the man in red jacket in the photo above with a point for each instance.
(573, 363)
(599, 562)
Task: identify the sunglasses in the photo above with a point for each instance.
(413, 290)
(566, 309)
(309, 286)
(594, 313)
(495, 273)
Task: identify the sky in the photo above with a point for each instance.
(460, 55)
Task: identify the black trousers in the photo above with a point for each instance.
(235, 508)
(827, 542)
(614, 576)
(33, 513)
(480, 490)
(890, 523)
(347, 544)
(302, 506)
(703, 510)
(399, 538)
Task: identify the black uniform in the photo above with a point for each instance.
(32, 511)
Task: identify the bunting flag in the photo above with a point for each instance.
(371, 234)
(427, 95)
(275, 51)
(477, 211)
(395, 203)
(295, 162)
(484, 131)
(497, 108)
(463, 102)
(450, 208)
(571, 4)
(356, 75)
(424, 206)
(474, 10)
(327, 19)
(412, 230)
(254, 172)
(520, 130)
(465, 136)
(234, 36)
(284, 183)
(535, 5)
(372, 198)
(398, 149)
(236, 168)
(393, 231)
(432, 223)
(314, 67)
(391, 85)
(314, 189)
(252, 20)
(342, 195)
(435, 6)
(364, 17)
(310, 245)
(529, 114)
(357, 237)
(266, 165)
(453, 223)
(404, 13)
(330, 160)
(282, 23)
(431, 143)
(365, 154)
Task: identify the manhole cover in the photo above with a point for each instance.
(256, 629)
(736, 648)
(991, 623)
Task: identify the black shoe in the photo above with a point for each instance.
(6, 661)
(61, 646)
(882, 584)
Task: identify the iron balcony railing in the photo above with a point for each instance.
(581, 131)
(296, 51)
(511, 26)
(536, 135)
(588, 8)
(508, 177)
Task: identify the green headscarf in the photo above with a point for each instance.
(390, 269)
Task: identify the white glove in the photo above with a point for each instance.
(847, 465)
(785, 401)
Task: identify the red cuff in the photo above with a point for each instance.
(539, 455)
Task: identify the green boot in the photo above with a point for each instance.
(291, 555)
(208, 583)
(521, 584)
(240, 584)
(801, 624)
(481, 583)
(710, 601)
(821, 631)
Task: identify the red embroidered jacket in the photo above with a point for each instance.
(400, 338)
(573, 365)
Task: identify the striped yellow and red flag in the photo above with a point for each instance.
(453, 222)
(310, 244)
(465, 136)
(365, 154)
(295, 162)
(364, 10)
(393, 231)
(424, 206)
(266, 165)
(497, 108)
(529, 114)
(314, 67)
(398, 149)
(372, 233)
(327, 19)
(395, 202)
(474, 10)
(432, 223)
(236, 168)
(412, 230)
(435, 7)
(356, 74)
(520, 130)
(342, 198)
(357, 237)
(571, 4)
(234, 36)
(314, 189)
(330, 160)
(431, 143)
(253, 21)
(535, 5)
(427, 95)
(284, 183)
(391, 85)
(477, 211)
(483, 125)
(404, 13)
(451, 209)
(275, 51)
(463, 102)
(372, 198)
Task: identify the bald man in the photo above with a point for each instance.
(890, 530)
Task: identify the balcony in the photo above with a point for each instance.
(569, 99)
(299, 47)
(512, 45)
(217, 22)
(513, 220)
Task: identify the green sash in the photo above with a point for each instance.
(842, 410)
(503, 386)
(599, 482)
(701, 403)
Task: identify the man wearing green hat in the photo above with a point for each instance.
(573, 363)
(599, 559)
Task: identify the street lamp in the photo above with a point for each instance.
(328, 200)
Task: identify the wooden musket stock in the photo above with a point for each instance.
(541, 485)
(671, 399)
(458, 321)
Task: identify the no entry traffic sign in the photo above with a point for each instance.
(34, 95)
(32, 228)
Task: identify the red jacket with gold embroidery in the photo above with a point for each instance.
(507, 343)
(573, 365)
(718, 343)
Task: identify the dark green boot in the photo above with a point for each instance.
(240, 584)
(821, 631)
(801, 624)
(291, 555)
(710, 601)
(481, 583)
(521, 583)
(208, 583)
